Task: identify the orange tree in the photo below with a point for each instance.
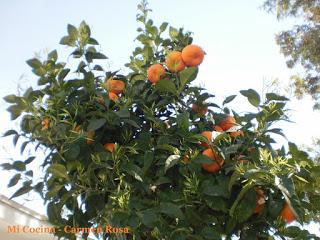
(154, 153)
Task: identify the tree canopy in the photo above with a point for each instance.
(301, 44)
(152, 151)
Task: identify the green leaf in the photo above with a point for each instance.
(252, 96)
(173, 33)
(95, 55)
(53, 55)
(72, 31)
(168, 147)
(188, 75)
(242, 193)
(54, 213)
(6, 166)
(292, 231)
(11, 98)
(19, 166)
(23, 190)
(15, 111)
(93, 41)
(14, 180)
(210, 233)
(63, 73)
(166, 86)
(134, 171)
(183, 121)
(171, 161)
(123, 113)
(218, 189)
(171, 210)
(276, 97)
(34, 63)
(163, 26)
(66, 40)
(73, 152)
(10, 132)
(246, 206)
(58, 171)
(147, 160)
(148, 217)
(202, 159)
(229, 99)
(95, 124)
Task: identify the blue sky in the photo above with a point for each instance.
(237, 36)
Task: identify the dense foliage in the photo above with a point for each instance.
(124, 151)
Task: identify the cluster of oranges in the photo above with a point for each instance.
(225, 124)
(176, 61)
(114, 87)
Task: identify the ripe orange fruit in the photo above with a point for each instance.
(227, 123)
(115, 86)
(112, 96)
(217, 161)
(156, 72)
(237, 134)
(90, 135)
(109, 147)
(287, 213)
(218, 128)
(45, 124)
(207, 135)
(186, 159)
(200, 110)
(260, 200)
(174, 62)
(192, 55)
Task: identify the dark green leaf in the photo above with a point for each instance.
(95, 124)
(72, 31)
(124, 113)
(252, 96)
(63, 73)
(92, 41)
(53, 55)
(58, 171)
(202, 159)
(188, 75)
(6, 166)
(14, 180)
(23, 190)
(229, 99)
(73, 152)
(23, 146)
(15, 111)
(183, 121)
(163, 26)
(166, 86)
(19, 166)
(171, 210)
(147, 160)
(66, 40)
(10, 132)
(34, 63)
(276, 97)
(148, 217)
(11, 98)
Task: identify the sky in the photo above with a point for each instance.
(237, 36)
